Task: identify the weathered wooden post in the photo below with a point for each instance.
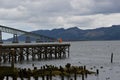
(45, 52)
(39, 56)
(36, 78)
(82, 76)
(21, 74)
(1, 77)
(75, 74)
(55, 52)
(50, 52)
(15, 56)
(28, 78)
(62, 74)
(7, 77)
(33, 55)
(97, 71)
(68, 52)
(47, 77)
(21, 57)
(50, 74)
(1, 51)
(85, 71)
(62, 77)
(21, 78)
(4, 57)
(43, 77)
(9, 55)
(14, 78)
(12, 62)
(27, 52)
(111, 57)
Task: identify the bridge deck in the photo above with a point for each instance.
(39, 51)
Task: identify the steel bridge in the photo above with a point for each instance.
(28, 35)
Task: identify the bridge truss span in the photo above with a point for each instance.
(28, 35)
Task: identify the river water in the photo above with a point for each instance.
(93, 54)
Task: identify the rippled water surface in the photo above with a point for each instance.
(93, 54)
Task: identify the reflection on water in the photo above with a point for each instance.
(93, 54)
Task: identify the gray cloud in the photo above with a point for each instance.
(106, 6)
(48, 14)
(10, 3)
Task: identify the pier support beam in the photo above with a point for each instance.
(27, 52)
(33, 51)
(12, 53)
(1, 37)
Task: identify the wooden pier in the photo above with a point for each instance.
(18, 52)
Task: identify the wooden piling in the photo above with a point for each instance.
(27, 52)
(62, 77)
(7, 78)
(43, 77)
(9, 56)
(75, 76)
(47, 77)
(46, 72)
(97, 71)
(36, 78)
(14, 78)
(111, 57)
(36, 51)
(82, 76)
(12, 53)
(68, 52)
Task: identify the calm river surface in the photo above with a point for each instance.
(93, 54)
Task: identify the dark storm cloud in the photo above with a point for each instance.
(106, 6)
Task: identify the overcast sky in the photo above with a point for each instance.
(31, 15)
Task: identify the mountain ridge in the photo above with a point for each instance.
(76, 34)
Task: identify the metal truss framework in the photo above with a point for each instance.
(16, 32)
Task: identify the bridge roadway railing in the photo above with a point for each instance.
(16, 32)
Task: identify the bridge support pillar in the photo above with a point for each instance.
(15, 38)
(27, 39)
(38, 40)
(1, 37)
